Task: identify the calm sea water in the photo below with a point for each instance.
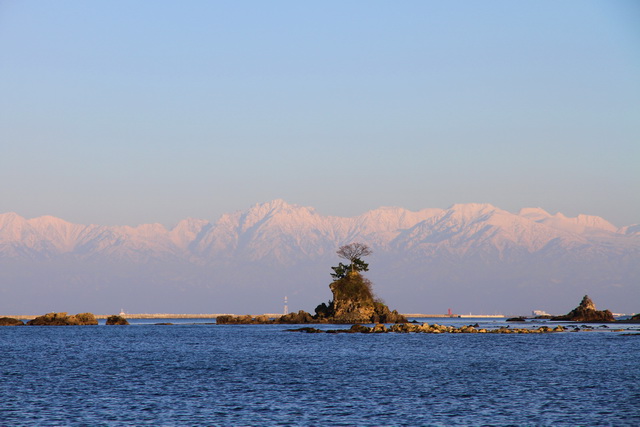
(199, 374)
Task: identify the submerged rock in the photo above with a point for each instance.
(10, 321)
(428, 329)
(586, 312)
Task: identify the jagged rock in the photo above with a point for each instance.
(382, 314)
(379, 328)
(61, 319)
(354, 302)
(293, 318)
(10, 321)
(586, 312)
(83, 319)
(116, 320)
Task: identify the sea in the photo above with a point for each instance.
(196, 373)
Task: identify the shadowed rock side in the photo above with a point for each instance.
(353, 302)
(61, 319)
(633, 319)
(116, 320)
(10, 321)
(586, 312)
(425, 328)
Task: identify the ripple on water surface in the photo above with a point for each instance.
(261, 375)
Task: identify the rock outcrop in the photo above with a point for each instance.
(353, 302)
(116, 320)
(586, 312)
(10, 321)
(61, 319)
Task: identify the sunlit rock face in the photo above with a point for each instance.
(61, 319)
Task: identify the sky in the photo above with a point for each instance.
(123, 113)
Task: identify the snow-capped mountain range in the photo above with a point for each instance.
(423, 261)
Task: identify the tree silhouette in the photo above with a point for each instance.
(353, 252)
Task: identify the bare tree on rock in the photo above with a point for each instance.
(353, 252)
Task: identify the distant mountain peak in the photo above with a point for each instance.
(276, 248)
(534, 213)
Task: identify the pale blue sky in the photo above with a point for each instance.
(121, 112)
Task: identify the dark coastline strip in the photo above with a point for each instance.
(428, 329)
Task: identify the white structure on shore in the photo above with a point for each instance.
(286, 307)
(540, 313)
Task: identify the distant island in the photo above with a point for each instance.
(353, 298)
(586, 312)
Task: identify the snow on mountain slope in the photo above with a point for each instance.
(473, 255)
(284, 232)
(44, 236)
(477, 227)
(630, 230)
(580, 224)
(270, 230)
(381, 226)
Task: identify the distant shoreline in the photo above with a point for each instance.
(213, 316)
(133, 316)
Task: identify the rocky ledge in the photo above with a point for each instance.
(425, 328)
(116, 320)
(10, 321)
(61, 319)
(586, 312)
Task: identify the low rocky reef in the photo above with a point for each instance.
(62, 319)
(10, 321)
(586, 312)
(425, 328)
(302, 317)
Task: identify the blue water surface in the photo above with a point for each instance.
(204, 374)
